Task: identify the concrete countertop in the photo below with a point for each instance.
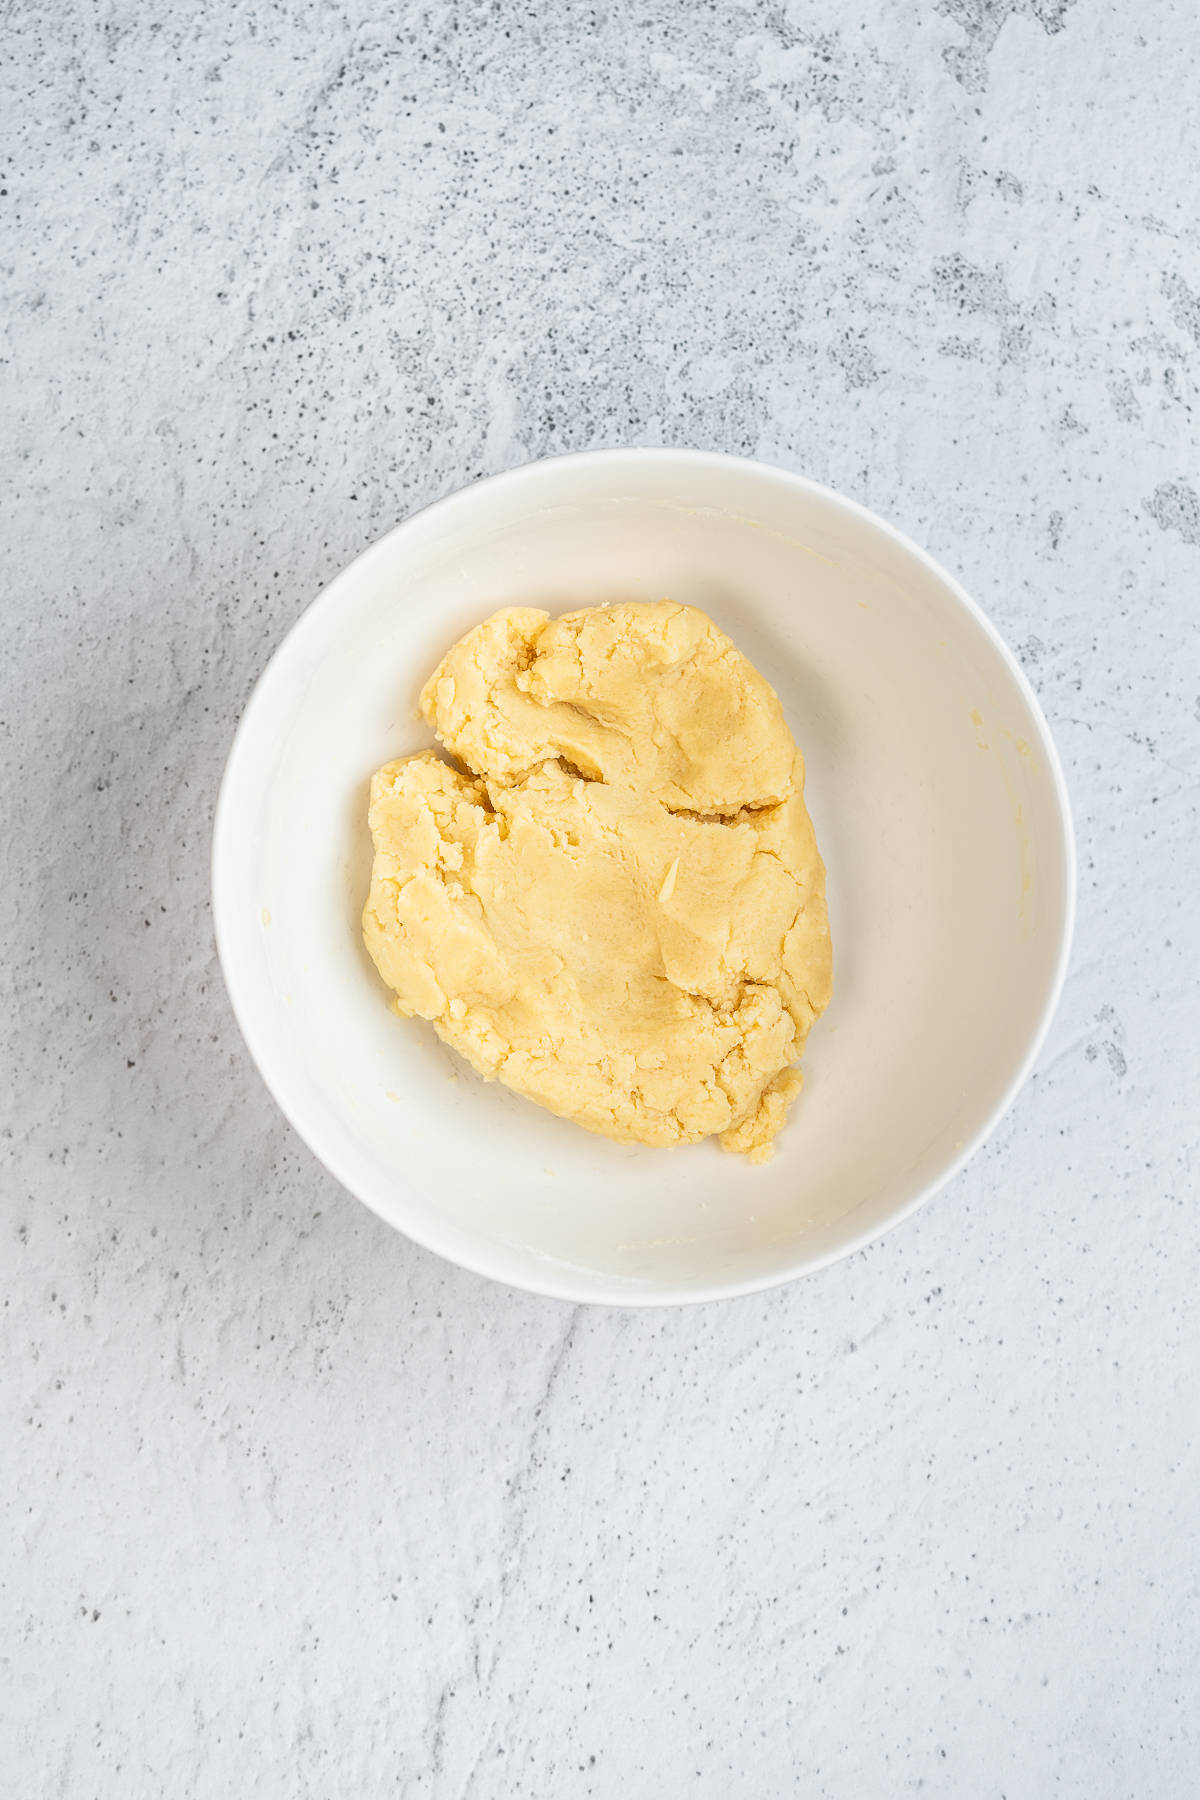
(290, 1507)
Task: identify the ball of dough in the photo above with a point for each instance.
(615, 905)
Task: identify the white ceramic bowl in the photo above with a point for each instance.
(939, 806)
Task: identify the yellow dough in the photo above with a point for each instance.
(616, 906)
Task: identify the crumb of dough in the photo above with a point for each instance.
(616, 905)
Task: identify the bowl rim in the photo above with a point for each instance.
(555, 1282)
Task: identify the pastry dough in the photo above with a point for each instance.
(615, 905)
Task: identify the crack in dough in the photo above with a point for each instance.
(616, 905)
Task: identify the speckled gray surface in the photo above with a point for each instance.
(290, 1508)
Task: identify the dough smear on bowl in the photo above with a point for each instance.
(615, 905)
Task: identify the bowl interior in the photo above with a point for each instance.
(938, 808)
